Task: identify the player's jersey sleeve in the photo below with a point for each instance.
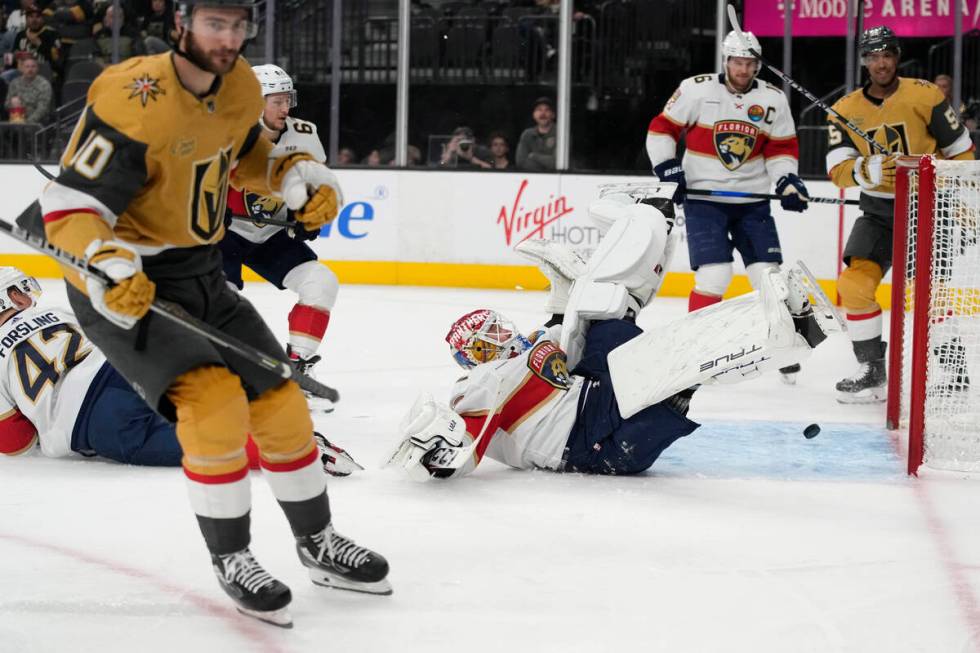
(781, 149)
(17, 434)
(666, 129)
(474, 397)
(842, 150)
(952, 137)
(103, 168)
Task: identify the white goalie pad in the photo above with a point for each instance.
(626, 270)
(724, 343)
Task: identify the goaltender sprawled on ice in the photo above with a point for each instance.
(627, 396)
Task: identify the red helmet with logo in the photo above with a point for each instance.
(482, 336)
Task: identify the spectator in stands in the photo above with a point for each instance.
(372, 159)
(346, 157)
(158, 23)
(30, 91)
(130, 41)
(71, 19)
(536, 148)
(17, 20)
(499, 151)
(40, 40)
(462, 151)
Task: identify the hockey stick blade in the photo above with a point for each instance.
(872, 143)
(178, 315)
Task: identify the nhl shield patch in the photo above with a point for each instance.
(548, 362)
(734, 142)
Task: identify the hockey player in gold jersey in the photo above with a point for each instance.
(141, 195)
(906, 116)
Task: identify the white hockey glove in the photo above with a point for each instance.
(876, 172)
(129, 299)
(560, 264)
(313, 192)
(336, 461)
(436, 436)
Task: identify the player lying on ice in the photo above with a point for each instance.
(627, 396)
(60, 395)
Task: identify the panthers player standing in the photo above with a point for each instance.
(740, 136)
(906, 116)
(141, 196)
(278, 255)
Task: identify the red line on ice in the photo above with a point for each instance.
(243, 626)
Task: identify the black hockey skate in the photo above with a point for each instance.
(305, 366)
(868, 386)
(255, 592)
(335, 561)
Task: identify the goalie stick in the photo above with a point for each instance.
(767, 196)
(272, 222)
(176, 313)
(733, 18)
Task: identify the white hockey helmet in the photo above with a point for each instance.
(274, 80)
(11, 277)
(732, 46)
(482, 336)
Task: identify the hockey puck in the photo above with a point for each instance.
(811, 431)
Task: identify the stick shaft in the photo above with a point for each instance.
(767, 196)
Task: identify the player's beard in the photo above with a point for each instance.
(211, 60)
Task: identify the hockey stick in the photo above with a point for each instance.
(272, 222)
(176, 313)
(768, 196)
(733, 18)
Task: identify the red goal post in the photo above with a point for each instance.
(935, 314)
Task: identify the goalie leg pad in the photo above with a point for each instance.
(724, 343)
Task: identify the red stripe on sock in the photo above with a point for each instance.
(308, 459)
(697, 300)
(308, 321)
(217, 479)
(252, 451)
(863, 316)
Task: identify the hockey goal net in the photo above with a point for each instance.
(935, 325)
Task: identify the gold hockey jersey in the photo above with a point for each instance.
(915, 119)
(153, 161)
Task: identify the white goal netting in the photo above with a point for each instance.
(950, 401)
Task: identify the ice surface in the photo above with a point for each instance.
(744, 537)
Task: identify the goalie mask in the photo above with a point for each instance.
(11, 277)
(483, 336)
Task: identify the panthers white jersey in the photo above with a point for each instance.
(298, 136)
(734, 141)
(530, 401)
(48, 366)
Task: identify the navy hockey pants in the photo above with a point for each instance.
(601, 441)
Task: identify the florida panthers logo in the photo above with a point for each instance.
(261, 207)
(548, 362)
(734, 142)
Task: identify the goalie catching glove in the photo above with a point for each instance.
(311, 190)
(436, 445)
(125, 302)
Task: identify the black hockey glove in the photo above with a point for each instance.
(793, 195)
(672, 171)
(299, 232)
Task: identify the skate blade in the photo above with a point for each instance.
(823, 307)
(861, 398)
(280, 617)
(323, 579)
